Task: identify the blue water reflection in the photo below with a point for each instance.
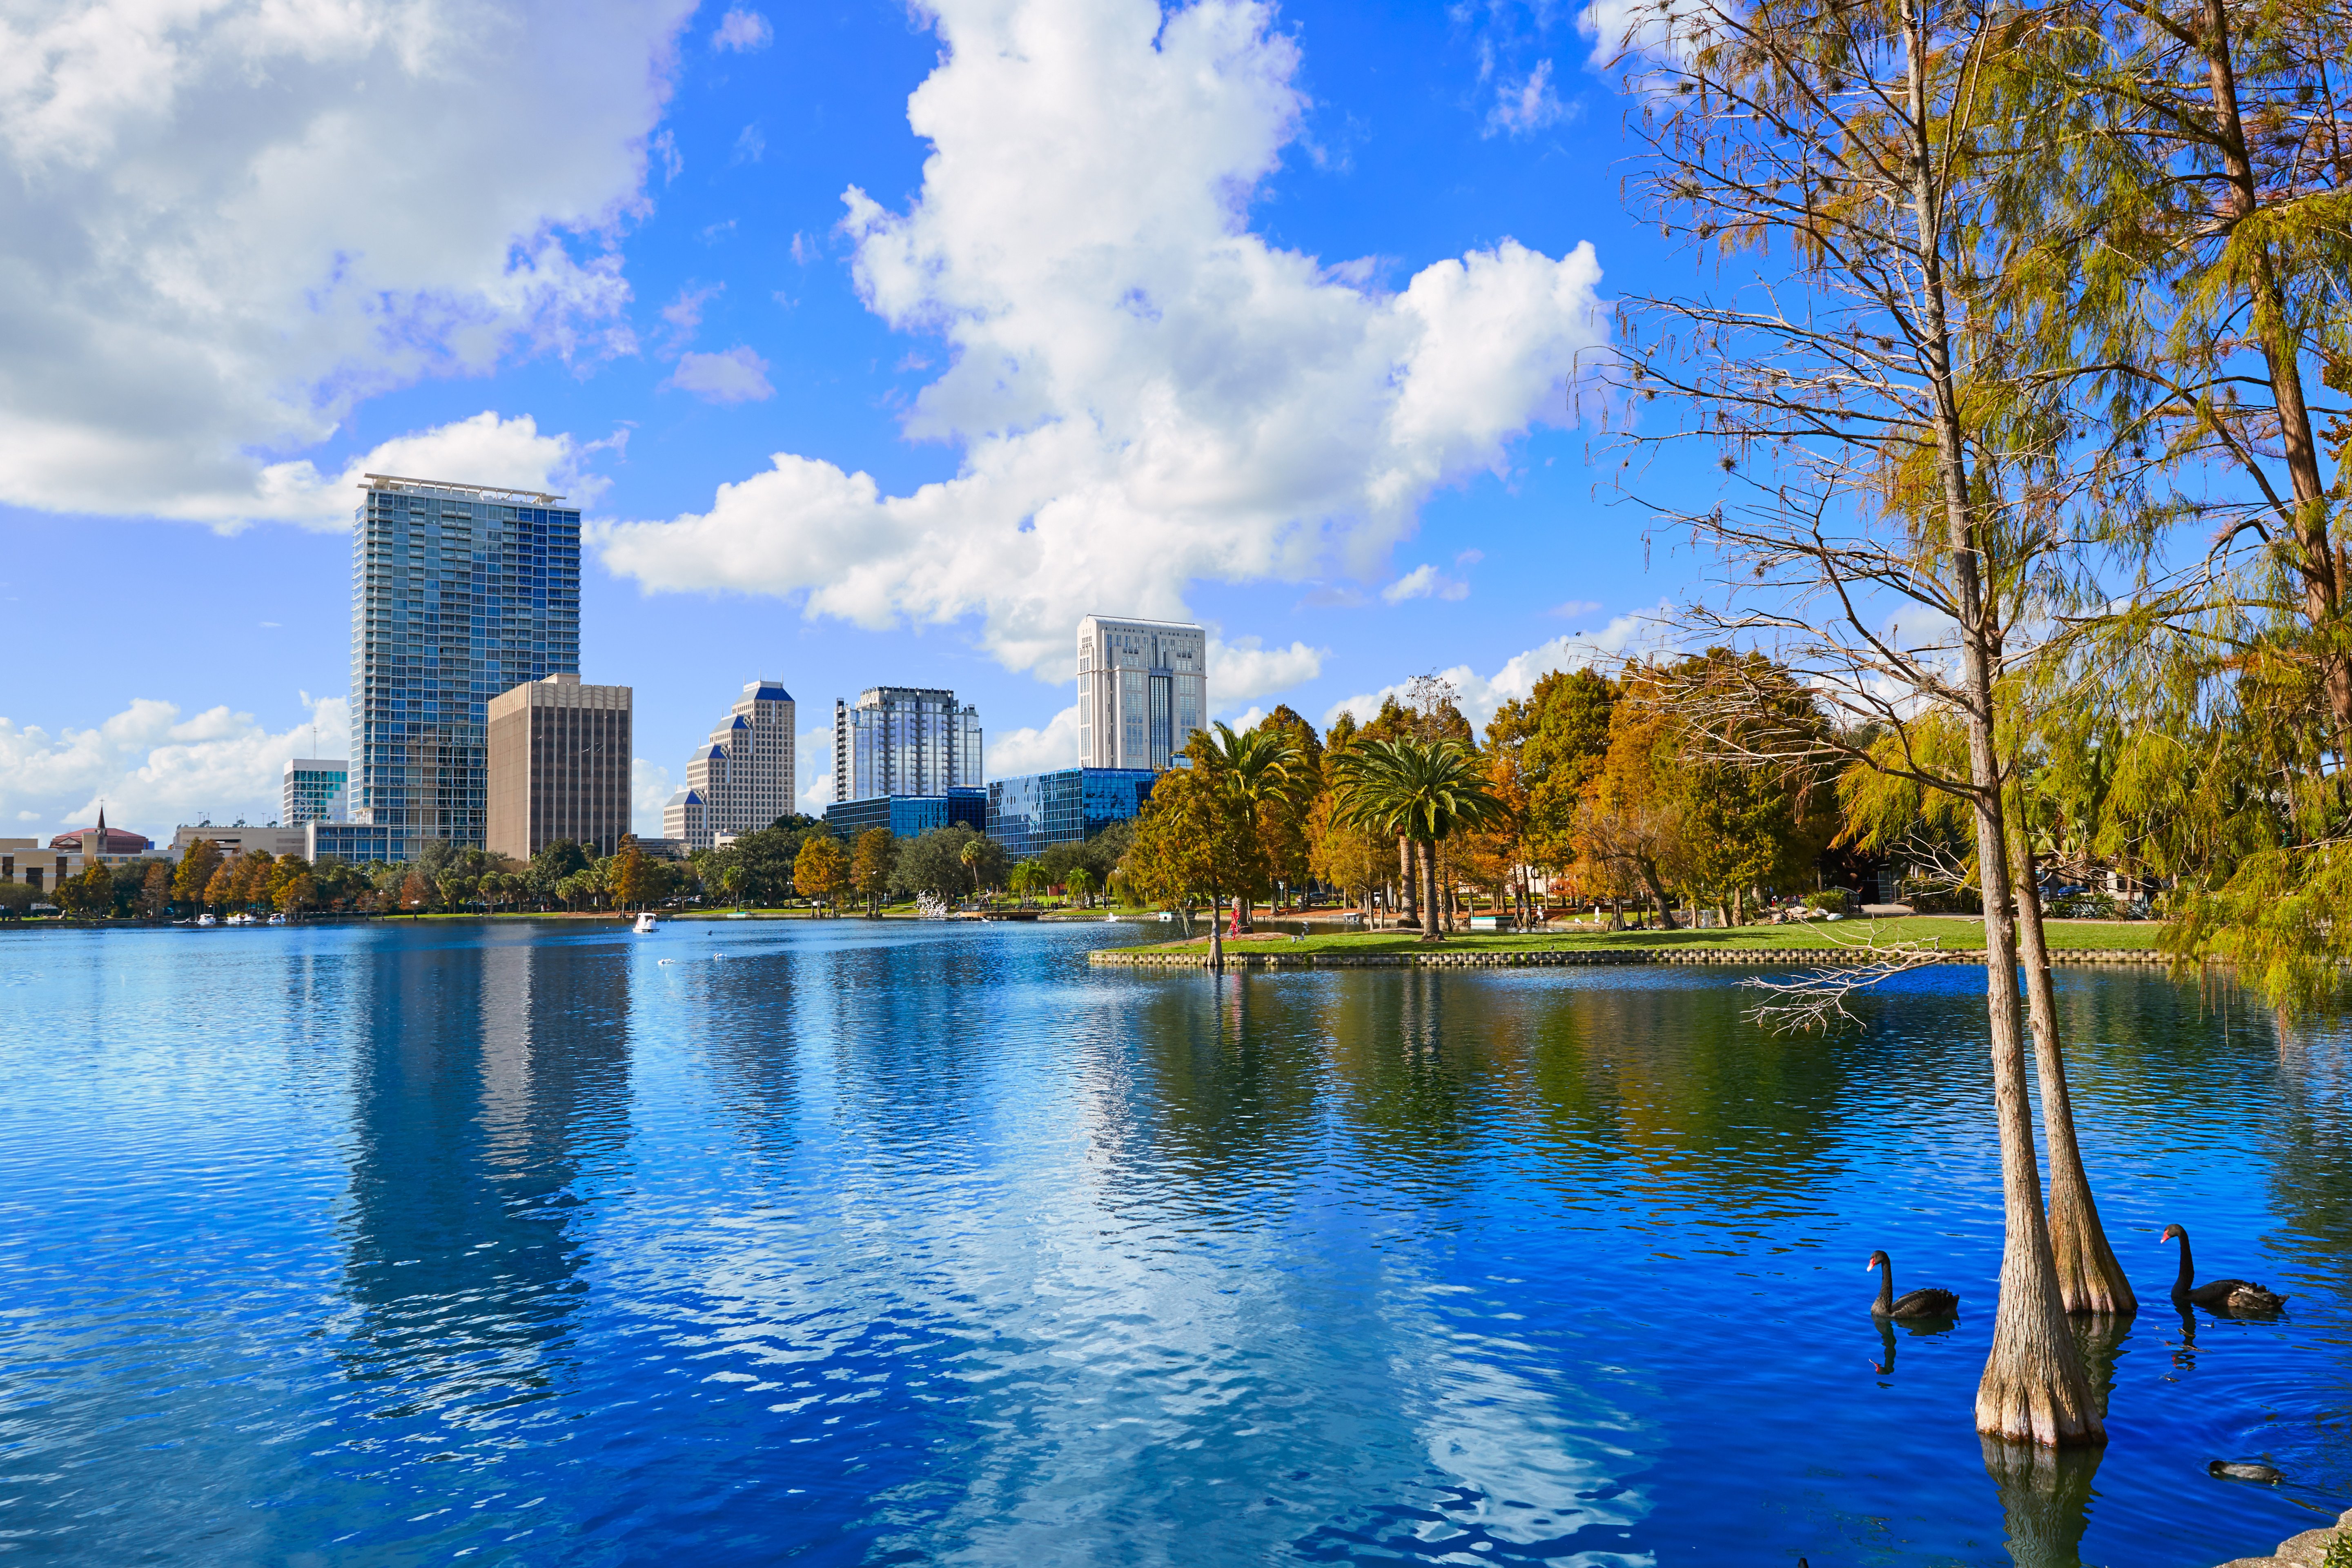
(826, 1243)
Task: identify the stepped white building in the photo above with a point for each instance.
(744, 778)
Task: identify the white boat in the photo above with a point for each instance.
(206, 919)
(277, 919)
(647, 925)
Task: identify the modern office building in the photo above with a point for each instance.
(1143, 689)
(1028, 814)
(744, 778)
(558, 756)
(907, 815)
(315, 789)
(904, 740)
(459, 592)
(355, 843)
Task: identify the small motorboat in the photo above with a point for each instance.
(647, 925)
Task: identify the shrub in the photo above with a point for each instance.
(1830, 900)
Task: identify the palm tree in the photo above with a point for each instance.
(1080, 884)
(1256, 767)
(969, 855)
(1423, 791)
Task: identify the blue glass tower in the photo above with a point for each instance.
(458, 593)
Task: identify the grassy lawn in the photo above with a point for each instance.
(1947, 931)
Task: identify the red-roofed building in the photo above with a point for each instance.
(102, 840)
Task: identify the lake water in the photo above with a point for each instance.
(825, 1243)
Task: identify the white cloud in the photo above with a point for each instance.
(1527, 107)
(743, 31)
(1574, 609)
(484, 449)
(1242, 668)
(813, 758)
(1425, 582)
(154, 770)
(751, 145)
(737, 375)
(1480, 695)
(649, 790)
(1012, 753)
(222, 224)
(1145, 392)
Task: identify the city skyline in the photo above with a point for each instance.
(748, 385)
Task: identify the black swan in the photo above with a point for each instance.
(1928, 1303)
(2217, 1295)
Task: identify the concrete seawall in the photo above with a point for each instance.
(1748, 958)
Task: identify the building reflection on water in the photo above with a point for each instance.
(491, 1078)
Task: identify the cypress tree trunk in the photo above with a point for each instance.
(2034, 1388)
(2090, 1278)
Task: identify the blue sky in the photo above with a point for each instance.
(1263, 315)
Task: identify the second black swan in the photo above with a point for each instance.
(2217, 1295)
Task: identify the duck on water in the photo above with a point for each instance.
(2216, 1295)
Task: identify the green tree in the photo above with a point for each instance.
(90, 893)
(933, 862)
(1424, 791)
(155, 891)
(1910, 462)
(821, 871)
(970, 854)
(1080, 884)
(1196, 839)
(1263, 770)
(633, 875)
(871, 858)
(194, 873)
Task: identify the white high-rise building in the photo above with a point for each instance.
(744, 779)
(904, 740)
(1143, 689)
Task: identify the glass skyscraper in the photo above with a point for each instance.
(904, 740)
(458, 593)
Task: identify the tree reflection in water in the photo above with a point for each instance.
(2045, 1500)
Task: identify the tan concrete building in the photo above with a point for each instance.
(559, 766)
(242, 838)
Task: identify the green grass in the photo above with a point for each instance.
(1949, 933)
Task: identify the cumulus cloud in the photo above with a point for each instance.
(156, 770)
(224, 225)
(1425, 582)
(812, 759)
(649, 790)
(1012, 753)
(1480, 695)
(485, 450)
(1526, 107)
(737, 375)
(742, 32)
(1144, 391)
(1245, 668)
